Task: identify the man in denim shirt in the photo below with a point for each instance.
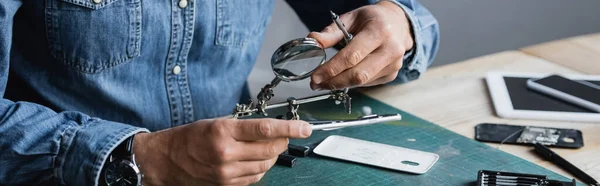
(80, 77)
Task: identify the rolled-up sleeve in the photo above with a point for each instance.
(425, 30)
(39, 146)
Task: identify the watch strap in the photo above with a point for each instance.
(125, 149)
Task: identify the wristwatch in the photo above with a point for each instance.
(121, 169)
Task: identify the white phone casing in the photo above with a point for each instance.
(376, 154)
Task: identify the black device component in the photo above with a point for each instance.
(489, 178)
(286, 160)
(523, 98)
(549, 155)
(298, 151)
(581, 89)
(528, 135)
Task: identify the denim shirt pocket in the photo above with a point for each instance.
(240, 22)
(92, 35)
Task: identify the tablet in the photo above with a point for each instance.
(512, 98)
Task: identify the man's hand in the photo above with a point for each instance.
(381, 37)
(215, 152)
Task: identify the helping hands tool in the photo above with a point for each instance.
(296, 60)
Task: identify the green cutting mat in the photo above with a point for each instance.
(460, 157)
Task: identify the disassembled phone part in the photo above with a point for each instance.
(286, 160)
(528, 135)
(363, 120)
(545, 136)
(376, 154)
(298, 151)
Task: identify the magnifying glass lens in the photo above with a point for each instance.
(297, 59)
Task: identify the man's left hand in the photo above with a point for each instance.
(381, 37)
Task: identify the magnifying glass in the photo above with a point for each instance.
(292, 61)
(296, 60)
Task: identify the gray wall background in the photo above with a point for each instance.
(469, 28)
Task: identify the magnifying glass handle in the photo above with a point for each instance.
(275, 82)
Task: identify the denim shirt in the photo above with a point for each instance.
(77, 77)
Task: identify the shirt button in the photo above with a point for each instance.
(176, 70)
(97, 1)
(182, 3)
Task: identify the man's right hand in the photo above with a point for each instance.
(215, 152)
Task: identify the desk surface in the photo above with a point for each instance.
(455, 96)
(580, 53)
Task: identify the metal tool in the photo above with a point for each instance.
(292, 61)
(493, 178)
(243, 110)
(551, 156)
(336, 19)
(296, 60)
(347, 36)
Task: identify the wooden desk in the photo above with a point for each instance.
(455, 96)
(580, 53)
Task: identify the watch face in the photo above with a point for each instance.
(122, 173)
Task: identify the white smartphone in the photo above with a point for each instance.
(376, 154)
(581, 93)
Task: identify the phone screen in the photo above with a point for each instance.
(584, 91)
